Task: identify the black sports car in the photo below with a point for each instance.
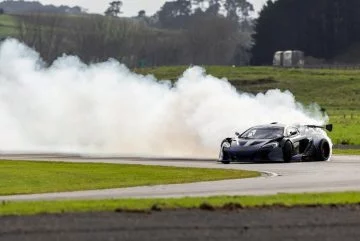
(276, 142)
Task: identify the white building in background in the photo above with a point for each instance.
(278, 58)
(289, 59)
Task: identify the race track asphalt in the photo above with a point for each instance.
(311, 224)
(331, 223)
(340, 174)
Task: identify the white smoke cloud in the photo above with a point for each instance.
(105, 108)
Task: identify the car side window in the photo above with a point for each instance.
(251, 133)
(292, 131)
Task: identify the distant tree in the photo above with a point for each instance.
(20, 7)
(42, 32)
(173, 14)
(238, 9)
(217, 40)
(141, 14)
(143, 18)
(184, 7)
(233, 9)
(214, 7)
(216, 31)
(198, 5)
(2, 11)
(114, 9)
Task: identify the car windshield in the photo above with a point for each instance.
(263, 133)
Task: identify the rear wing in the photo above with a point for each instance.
(328, 127)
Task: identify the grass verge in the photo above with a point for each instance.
(287, 200)
(346, 151)
(21, 177)
(8, 26)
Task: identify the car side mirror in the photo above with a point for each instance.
(329, 127)
(237, 134)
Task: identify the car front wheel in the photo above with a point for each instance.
(223, 158)
(287, 151)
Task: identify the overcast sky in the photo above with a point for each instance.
(130, 8)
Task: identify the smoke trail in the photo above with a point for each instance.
(105, 108)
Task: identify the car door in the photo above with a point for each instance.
(293, 134)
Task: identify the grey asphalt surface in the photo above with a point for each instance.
(277, 223)
(312, 224)
(340, 174)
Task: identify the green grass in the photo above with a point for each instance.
(346, 152)
(346, 127)
(289, 200)
(19, 177)
(8, 26)
(337, 91)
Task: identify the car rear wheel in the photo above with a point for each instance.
(287, 151)
(323, 151)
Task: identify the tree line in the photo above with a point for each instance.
(182, 32)
(20, 7)
(201, 32)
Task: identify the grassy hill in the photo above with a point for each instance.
(337, 91)
(8, 26)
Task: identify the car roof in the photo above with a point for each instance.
(276, 125)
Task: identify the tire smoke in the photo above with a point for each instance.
(105, 108)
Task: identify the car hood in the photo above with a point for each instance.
(250, 142)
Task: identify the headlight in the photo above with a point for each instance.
(271, 145)
(226, 145)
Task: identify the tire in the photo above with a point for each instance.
(222, 158)
(323, 151)
(287, 151)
